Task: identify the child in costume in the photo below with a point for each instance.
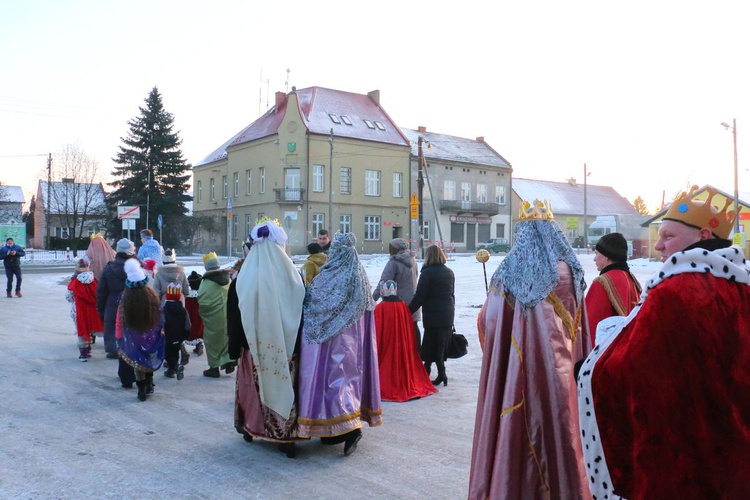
(176, 330)
(139, 328)
(191, 304)
(82, 287)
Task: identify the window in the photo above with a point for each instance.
(466, 191)
(292, 184)
(457, 232)
(500, 195)
(236, 184)
(64, 232)
(334, 119)
(345, 184)
(200, 192)
(449, 190)
(398, 185)
(482, 193)
(372, 227)
(249, 174)
(262, 180)
(426, 230)
(318, 178)
(212, 189)
(345, 223)
(372, 182)
(346, 120)
(248, 224)
(500, 230)
(235, 227)
(224, 187)
(318, 223)
(380, 125)
(370, 124)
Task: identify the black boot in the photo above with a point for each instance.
(428, 368)
(441, 377)
(350, 443)
(141, 389)
(289, 449)
(150, 383)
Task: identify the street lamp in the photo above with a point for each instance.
(736, 187)
(586, 173)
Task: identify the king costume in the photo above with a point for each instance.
(269, 293)
(339, 385)
(526, 436)
(664, 397)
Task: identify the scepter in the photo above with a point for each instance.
(483, 256)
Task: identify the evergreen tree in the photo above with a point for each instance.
(640, 206)
(151, 172)
(28, 218)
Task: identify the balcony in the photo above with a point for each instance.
(289, 195)
(470, 207)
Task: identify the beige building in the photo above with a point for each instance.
(318, 159)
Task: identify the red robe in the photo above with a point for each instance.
(87, 318)
(671, 393)
(196, 323)
(402, 375)
(614, 293)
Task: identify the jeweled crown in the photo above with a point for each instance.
(702, 214)
(538, 210)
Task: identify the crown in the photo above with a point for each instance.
(173, 289)
(702, 214)
(537, 211)
(264, 219)
(210, 256)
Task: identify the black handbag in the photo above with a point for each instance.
(458, 346)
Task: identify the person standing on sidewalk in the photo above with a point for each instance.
(11, 255)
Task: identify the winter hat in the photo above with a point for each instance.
(82, 265)
(613, 246)
(173, 292)
(396, 245)
(149, 264)
(170, 256)
(125, 246)
(211, 261)
(194, 280)
(136, 277)
(388, 289)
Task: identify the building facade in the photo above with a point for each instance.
(68, 208)
(318, 159)
(11, 215)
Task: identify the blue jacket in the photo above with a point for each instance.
(151, 250)
(11, 261)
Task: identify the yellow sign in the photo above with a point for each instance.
(229, 215)
(738, 239)
(571, 223)
(414, 200)
(414, 206)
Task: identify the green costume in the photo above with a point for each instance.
(212, 306)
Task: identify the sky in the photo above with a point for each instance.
(635, 90)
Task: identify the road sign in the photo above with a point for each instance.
(159, 222)
(229, 203)
(124, 212)
(414, 206)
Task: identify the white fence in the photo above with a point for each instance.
(33, 255)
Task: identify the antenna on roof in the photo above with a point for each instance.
(287, 79)
(260, 91)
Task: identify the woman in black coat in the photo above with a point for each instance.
(435, 295)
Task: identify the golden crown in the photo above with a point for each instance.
(210, 256)
(264, 219)
(702, 214)
(539, 210)
(173, 289)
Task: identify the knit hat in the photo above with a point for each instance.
(211, 261)
(136, 277)
(170, 256)
(613, 246)
(82, 265)
(125, 246)
(173, 292)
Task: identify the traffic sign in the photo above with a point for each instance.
(159, 222)
(124, 212)
(414, 206)
(229, 204)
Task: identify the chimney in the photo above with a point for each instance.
(280, 96)
(374, 95)
(421, 129)
(572, 182)
(480, 138)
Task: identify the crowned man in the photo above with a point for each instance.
(526, 435)
(664, 398)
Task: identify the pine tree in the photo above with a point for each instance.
(640, 206)
(151, 171)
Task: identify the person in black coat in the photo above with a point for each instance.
(435, 295)
(108, 293)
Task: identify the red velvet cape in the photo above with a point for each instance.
(87, 318)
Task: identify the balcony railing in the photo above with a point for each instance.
(475, 207)
(289, 195)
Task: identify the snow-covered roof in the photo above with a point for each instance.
(567, 197)
(65, 196)
(11, 194)
(452, 148)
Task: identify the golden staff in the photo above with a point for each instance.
(483, 256)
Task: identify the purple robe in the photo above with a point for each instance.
(339, 382)
(144, 351)
(526, 435)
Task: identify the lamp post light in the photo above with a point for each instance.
(736, 186)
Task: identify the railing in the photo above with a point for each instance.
(290, 195)
(33, 255)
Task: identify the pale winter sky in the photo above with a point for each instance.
(636, 90)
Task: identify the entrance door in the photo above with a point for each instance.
(396, 232)
(471, 237)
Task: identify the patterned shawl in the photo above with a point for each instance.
(339, 295)
(529, 271)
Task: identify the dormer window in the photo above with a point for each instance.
(334, 118)
(369, 124)
(346, 120)
(380, 125)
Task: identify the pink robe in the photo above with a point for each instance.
(526, 435)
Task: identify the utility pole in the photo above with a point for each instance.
(736, 187)
(49, 195)
(330, 188)
(585, 208)
(420, 187)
